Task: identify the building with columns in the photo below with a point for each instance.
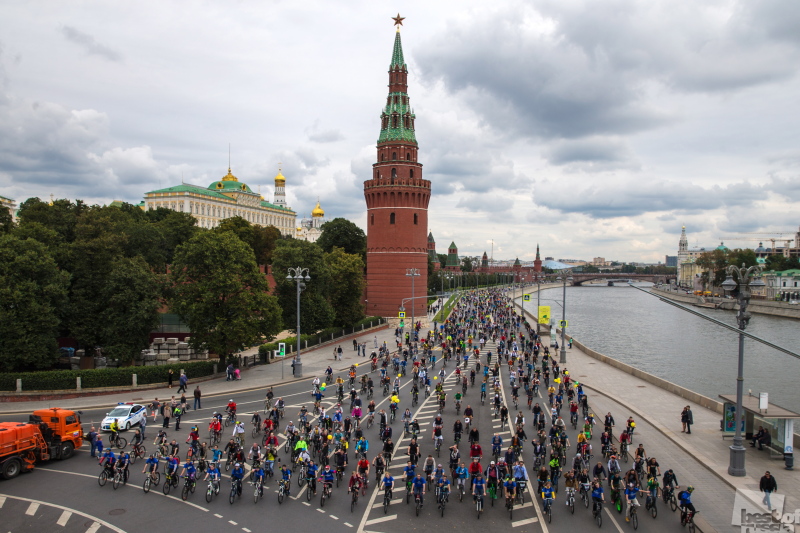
(397, 203)
(226, 198)
(11, 205)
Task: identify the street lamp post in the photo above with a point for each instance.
(566, 278)
(298, 274)
(736, 465)
(538, 299)
(412, 273)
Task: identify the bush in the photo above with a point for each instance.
(103, 377)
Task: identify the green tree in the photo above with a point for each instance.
(6, 221)
(62, 216)
(442, 260)
(221, 294)
(779, 263)
(466, 264)
(239, 227)
(347, 286)
(264, 240)
(714, 264)
(33, 292)
(131, 297)
(316, 312)
(341, 233)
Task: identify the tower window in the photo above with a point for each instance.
(383, 157)
(408, 157)
(415, 218)
(372, 220)
(391, 218)
(394, 156)
(394, 173)
(411, 173)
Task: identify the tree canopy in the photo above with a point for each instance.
(341, 233)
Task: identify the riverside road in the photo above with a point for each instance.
(66, 496)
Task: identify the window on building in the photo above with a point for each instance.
(394, 156)
(391, 218)
(372, 220)
(411, 173)
(408, 157)
(415, 218)
(394, 173)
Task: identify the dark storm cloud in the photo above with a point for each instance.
(89, 44)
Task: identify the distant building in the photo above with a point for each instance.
(310, 229)
(671, 261)
(223, 199)
(11, 205)
(783, 285)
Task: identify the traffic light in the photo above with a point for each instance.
(282, 349)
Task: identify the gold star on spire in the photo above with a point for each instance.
(398, 20)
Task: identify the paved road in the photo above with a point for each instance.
(73, 484)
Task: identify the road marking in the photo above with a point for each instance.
(32, 508)
(246, 530)
(94, 528)
(2, 501)
(524, 522)
(381, 519)
(218, 515)
(614, 520)
(391, 502)
(348, 524)
(231, 522)
(306, 503)
(64, 518)
(334, 517)
(321, 511)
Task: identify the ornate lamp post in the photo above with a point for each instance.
(566, 278)
(412, 273)
(745, 282)
(298, 274)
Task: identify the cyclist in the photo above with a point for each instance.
(469, 413)
(311, 473)
(685, 499)
(137, 439)
(571, 484)
(109, 460)
(151, 464)
(328, 477)
(172, 465)
(409, 471)
(237, 474)
(189, 471)
(231, 408)
(510, 487)
(598, 498)
(630, 497)
(478, 487)
(286, 478)
(114, 429)
(388, 483)
(215, 426)
(238, 431)
(548, 494)
(362, 446)
(413, 450)
(492, 476)
(418, 487)
(442, 491)
(213, 474)
(122, 465)
(497, 444)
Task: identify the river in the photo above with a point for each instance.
(661, 339)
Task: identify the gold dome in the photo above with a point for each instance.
(229, 176)
(317, 211)
(279, 179)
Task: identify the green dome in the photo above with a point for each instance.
(229, 186)
(722, 247)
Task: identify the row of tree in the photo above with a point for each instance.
(102, 274)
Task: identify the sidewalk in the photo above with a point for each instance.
(662, 409)
(315, 361)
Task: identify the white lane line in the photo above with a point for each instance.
(614, 520)
(94, 528)
(525, 522)
(381, 519)
(231, 522)
(321, 511)
(64, 518)
(348, 524)
(306, 503)
(391, 502)
(246, 530)
(2, 501)
(218, 515)
(32, 508)
(334, 517)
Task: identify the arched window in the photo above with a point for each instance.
(391, 218)
(415, 218)
(394, 156)
(408, 157)
(383, 157)
(394, 173)
(372, 220)
(411, 173)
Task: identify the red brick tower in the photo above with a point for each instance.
(397, 204)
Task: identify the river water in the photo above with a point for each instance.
(640, 330)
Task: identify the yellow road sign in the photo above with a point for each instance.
(563, 324)
(526, 297)
(401, 314)
(544, 314)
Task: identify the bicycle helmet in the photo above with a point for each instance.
(230, 400)
(492, 463)
(237, 465)
(690, 488)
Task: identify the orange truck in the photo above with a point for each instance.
(50, 434)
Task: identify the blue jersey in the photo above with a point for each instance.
(461, 472)
(213, 473)
(510, 485)
(387, 481)
(418, 484)
(217, 455)
(547, 492)
(312, 470)
(190, 469)
(286, 474)
(597, 492)
(328, 475)
(152, 462)
(478, 485)
(237, 473)
(409, 471)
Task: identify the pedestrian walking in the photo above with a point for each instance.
(155, 407)
(767, 485)
(183, 403)
(170, 376)
(183, 380)
(339, 352)
(689, 420)
(166, 411)
(293, 362)
(98, 445)
(92, 437)
(143, 426)
(197, 395)
(375, 342)
(684, 419)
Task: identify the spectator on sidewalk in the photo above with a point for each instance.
(339, 352)
(684, 419)
(92, 437)
(768, 485)
(293, 362)
(183, 380)
(155, 407)
(355, 345)
(229, 372)
(689, 420)
(197, 395)
(170, 376)
(375, 342)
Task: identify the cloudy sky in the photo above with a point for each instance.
(593, 128)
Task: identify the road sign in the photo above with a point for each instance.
(544, 314)
(563, 323)
(282, 349)
(401, 314)
(526, 297)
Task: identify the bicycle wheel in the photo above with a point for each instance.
(585, 498)
(280, 494)
(442, 508)
(121, 443)
(157, 479)
(117, 480)
(418, 507)
(673, 503)
(308, 493)
(301, 479)
(549, 513)
(598, 518)
(209, 493)
(322, 499)
(635, 520)
(653, 510)
(146, 485)
(232, 497)
(167, 486)
(353, 502)
(254, 432)
(385, 505)
(102, 478)
(185, 492)
(691, 526)
(255, 494)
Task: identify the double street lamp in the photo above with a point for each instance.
(745, 281)
(298, 274)
(565, 278)
(413, 273)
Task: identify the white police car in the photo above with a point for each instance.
(127, 415)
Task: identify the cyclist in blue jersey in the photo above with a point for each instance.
(418, 486)
(388, 483)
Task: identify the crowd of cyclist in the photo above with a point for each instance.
(319, 446)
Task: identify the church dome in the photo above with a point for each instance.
(722, 247)
(279, 179)
(317, 211)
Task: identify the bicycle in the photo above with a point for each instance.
(119, 442)
(212, 490)
(103, 477)
(585, 494)
(417, 503)
(687, 519)
(634, 517)
(354, 497)
(256, 430)
(510, 507)
(370, 420)
(267, 405)
(616, 501)
(387, 500)
(283, 486)
(483, 396)
(668, 495)
(214, 437)
(327, 492)
(438, 447)
(138, 452)
(442, 497)
(479, 505)
(230, 419)
(236, 490)
(548, 509)
(188, 486)
(170, 481)
(597, 513)
(258, 490)
(153, 478)
(415, 398)
(301, 475)
(650, 505)
(571, 500)
(117, 479)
